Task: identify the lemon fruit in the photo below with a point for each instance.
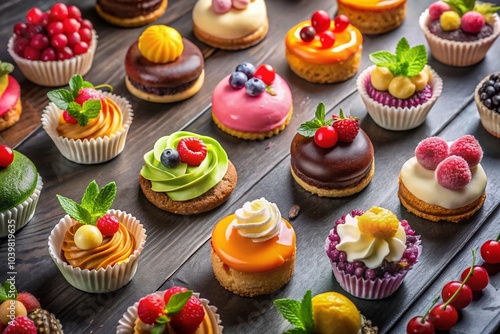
(334, 313)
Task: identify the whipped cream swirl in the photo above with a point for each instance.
(258, 220)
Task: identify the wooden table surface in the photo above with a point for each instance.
(177, 250)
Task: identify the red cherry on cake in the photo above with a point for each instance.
(74, 12)
(438, 8)
(326, 136)
(453, 173)
(468, 148)
(478, 280)
(320, 21)
(266, 73)
(192, 151)
(490, 251)
(59, 12)
(108, 225)
(341, 23)
(431, 151)
(6, 156)
(463, 297)
(327, 39)
(472, 22)
(34, 15)
(419, 325)
(443, 318)
(150, 308)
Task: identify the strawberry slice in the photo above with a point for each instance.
(85, 94)
(192, 151)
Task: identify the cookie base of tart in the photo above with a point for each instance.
(134, 21)
(248, 284)
(185, 94)
(232, 44)
(206, 202)
(342, 192)
(324, 73)
(12, 116)
(436, 213)
(374, 22)
(254, 135)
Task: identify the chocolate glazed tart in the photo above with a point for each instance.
(130, 13)
(342, 170)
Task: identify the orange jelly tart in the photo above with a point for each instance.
(253, 250)
(10, 97)
(322, 50)
(373, 16)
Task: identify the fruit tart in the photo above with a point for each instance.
(487, 98)
(163, 67)
(230, 24)
(10, 97)
(400, 89)
(371, 252)
(460, 32)
(322, 50)
(332, 158)
(87, 125)
(20, 187)
(53, 45)
(186, 173)
(95, 248)
(444, 181)
(130, 13)
(252, 103)
(176, 310)
(253, 250)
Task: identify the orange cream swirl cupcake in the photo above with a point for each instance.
(253, 250)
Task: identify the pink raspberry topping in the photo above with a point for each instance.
(221, 6)
(431, 151)
(453, 173)
(472, 22)
(438, 8)
(468, 148)
(21, 325)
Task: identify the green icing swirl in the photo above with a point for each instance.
(184, 182)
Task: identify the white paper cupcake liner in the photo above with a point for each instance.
(22, 213)
(127, 323)
(91, 151)
(398, 119)
(54, 73)
(489, 118)
(456, 53)
(102, 280)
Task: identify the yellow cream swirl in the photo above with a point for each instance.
(373, 242)
(107, 123)
(258, 220)
(161, 44)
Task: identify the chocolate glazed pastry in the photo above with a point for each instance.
(131, 13)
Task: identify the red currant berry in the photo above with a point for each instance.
(108, 225)
(31, 53)
(34, 15)
(59, 12)
(463, 297)
(6, 156)
(74, 12)
(20, 44)
(307, 34)
(86, 24)
(320, 21)
(266, 73)
(327, 39)
(80, 48)
(478, 280)
(65, 53)
(32, 30)
(73, 39)
(443, 319)
(69, 119)
(341, 23)
(490, 251)
(419, 325)
(59, 41)
(19, 28)
(85, 34)
(48, 54)
(45, 19)
(55, 28)
(70, 25)
(326, 136)
(39, 41)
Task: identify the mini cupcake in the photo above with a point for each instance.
(20, 187)
(253, 250)
(185, 311)
(371, 252)
(460, 33)
(261, 110)
(487, 97)
(95, 248)
(401, 89)
(163, 67)
(87, 125)
(132, 13)
(10, 97)
(54, 45)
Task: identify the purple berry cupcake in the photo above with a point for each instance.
(400, 89)
(487, 97)
(371, 252)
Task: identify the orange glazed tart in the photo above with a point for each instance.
(253, 250)
(373, 16)
(324, 51)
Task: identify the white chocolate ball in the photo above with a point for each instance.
(88, 237)
(401, 87)
(381, 78)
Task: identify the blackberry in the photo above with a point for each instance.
(489, 93)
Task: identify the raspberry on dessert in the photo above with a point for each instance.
(150, 308)
(189, 318)
(108, 225)
(21, 325)
(472, 22)
(29, 301)
(437, 8)
(431, 151)
(347, 127)
(468, 148)
(192, 151)
(453, 173)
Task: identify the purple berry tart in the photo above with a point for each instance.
(487, 97)
(460, 32)
(400, 89)
(371, 252)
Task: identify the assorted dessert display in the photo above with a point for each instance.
(460, 32)
(53, 45)
(252, 103)
(230, 24)
(332, 158)
(87, 125)
(186, 173)
(10, 97)
(253, 250)
(163, 67)
(95, 248)
(131, 13)
(487, 98)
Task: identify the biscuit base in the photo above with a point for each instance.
(325, 73)
(12, 116)
(254, 135)
(436, 213)
(205, 202)
(185, 94)
(248, 284)
(232, 44)
(374, 22)
(336, 192)
(133, 21)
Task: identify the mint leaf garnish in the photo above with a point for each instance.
(5, 68)
(417, 59)
(74, 210)
(105, 199)
(91, 108)
(177, 302)
(401, 49)
(76, 83)
(297, 313)
(158, 328)
(270, 90)
(61, 98)
(306, 312)
(308, 129)
(296, 330)
(383, 58)
(90, 196)
(461, 6)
